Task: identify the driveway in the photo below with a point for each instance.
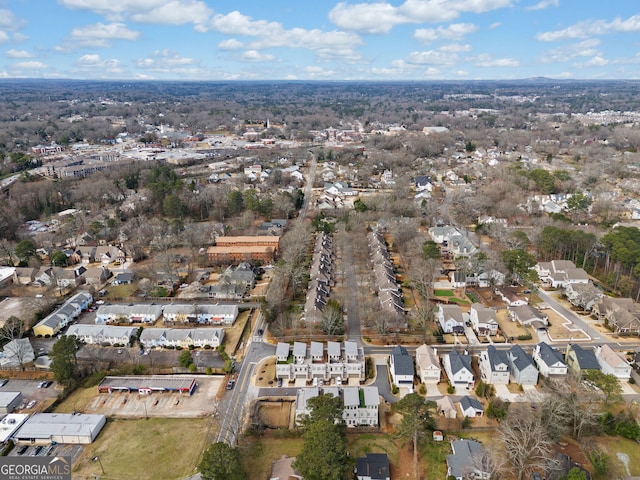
(382, 382)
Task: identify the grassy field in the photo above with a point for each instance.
(443, 293)
(260, 453)
(613, 445)
(158, 448)
(77, 401)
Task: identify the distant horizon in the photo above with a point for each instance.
(339, 40)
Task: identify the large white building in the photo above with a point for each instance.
(344, 361)
(360, 403)
(69, 428)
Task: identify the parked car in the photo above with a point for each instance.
(31, 404)
(22, 449)
(230, 384)
(279, 382)
(3, 382)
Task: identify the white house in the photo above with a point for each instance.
(182, 337)
(613, 363)
(99, 334)
(217, 314)
(137, 313)
(401, 366)
(494, 366)
(483, 319)
(471, 407)
(549, 361)
(458, 368)
(428, 364)
(560, 273)
(450, 319)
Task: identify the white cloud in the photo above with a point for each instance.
(318, 72)
(273, 34)
(544, 4)
(597, 61)
(565, 53)
(494, 25)
(93, 62)
(32, 65)
(4, 36)
(486, 60)
(455, 31)
(256, 56)
(12, 53)
(99, 35)
(8, 21)
(381, 17)
(343, 55)
(231, 44)
(431, 57)
(593, 27)
(461, 73)
(165, 60)
(455, 48)
(173, 12)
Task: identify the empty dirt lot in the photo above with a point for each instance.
(203, 402)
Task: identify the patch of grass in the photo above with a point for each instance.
(77, 401)
(612, 445)
(434, 456)
(161, 448)
(443, 293)
(120, 291)
(458, 300)
(360, 445)
(262, 452)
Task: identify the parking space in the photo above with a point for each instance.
(203, 402)
(33, 395)
(73, 451)
(152, 358)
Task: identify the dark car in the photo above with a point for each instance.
(36, 451)
(22, 449)
(3, 382)
(230, 384)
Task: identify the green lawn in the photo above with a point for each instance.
(458, 300)
(443, 293)
(260, 453)
(158, 448)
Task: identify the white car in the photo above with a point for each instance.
(31, 404)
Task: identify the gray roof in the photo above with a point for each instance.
(283, 349)
(299, 349)
(459, 362)
(461, 462)
(548, 355)
(371, 395)
(316, 349)
(520, 359)
(333, 349)
(403, 363)
(7, 397)
(351, 397)
(42, 426)
(586, 358)
(374, 466)
(497, 357)
(467, 401)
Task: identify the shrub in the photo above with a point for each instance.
(466, 423)
(394, 389)
(451, 390)
(422, 389)
(209, 371)
(632, 380)
(192, 367)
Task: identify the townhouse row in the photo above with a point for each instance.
(331, 361)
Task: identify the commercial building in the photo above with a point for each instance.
(69, 428)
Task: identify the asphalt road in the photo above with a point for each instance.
(569, 315)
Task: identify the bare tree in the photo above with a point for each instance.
(527, 443)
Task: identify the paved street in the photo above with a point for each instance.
(569, 315)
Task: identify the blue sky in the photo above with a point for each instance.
(319, 39)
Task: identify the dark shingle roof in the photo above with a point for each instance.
(374, 465)
(586, 358)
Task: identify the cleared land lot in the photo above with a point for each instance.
(158, 448)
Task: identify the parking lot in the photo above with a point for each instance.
(160, 404)
(73, 451)
(30, 392)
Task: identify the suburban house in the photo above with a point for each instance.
(446, 407)
(560, 273)
(511, 297)
(182, 337)
(428, 364)
(124, 278)
(60, 318)
(97, 276)
(613, 363)
(360, 403)
(401, 367)
(344, 361)
(374, 466)
(450, 319)
(423, 183)
(217, 314)
(527, 316)
(523, 369)
(620, 314)
(471, 407)
(494, 366)
(102, 334)
(24, 275)
(69, 277)
(583, 295)
(581, 359)
(483, 319)
(244, 274)
(468, 460)
(320, 278)
(550, 362)
(458, 369)
(452, 241)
